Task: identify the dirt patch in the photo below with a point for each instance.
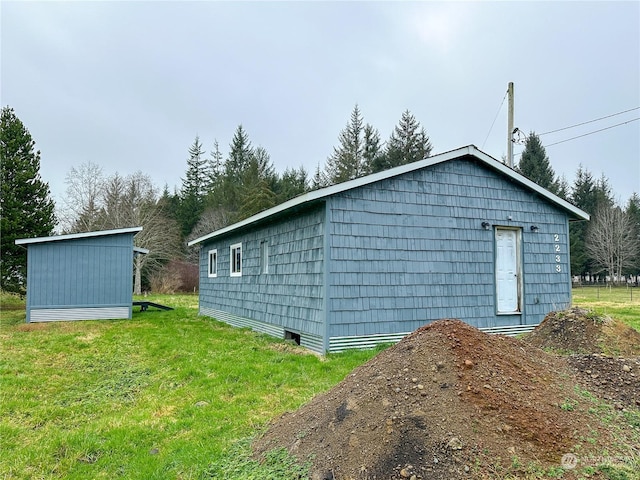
(292, 348)
(615, 380)
(579, 331)
(448, 401)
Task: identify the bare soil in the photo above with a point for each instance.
(579, 331)
(448, 402)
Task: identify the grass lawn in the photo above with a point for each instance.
(165, 395)
(622, 303)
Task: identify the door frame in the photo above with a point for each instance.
(519, 270)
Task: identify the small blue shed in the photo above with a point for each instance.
(83, 276)
(457, 235)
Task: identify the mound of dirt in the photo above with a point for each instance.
(614, 380)
(579, 331)
(448, 401)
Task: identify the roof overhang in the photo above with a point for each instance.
(74, 236)
(469, 151)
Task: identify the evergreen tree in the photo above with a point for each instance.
(293, 182)
(26, 207)
(169, 202)
(216, 168)
(583, 197)
(192, 194)
(563, 189)
(408, 143)
(603, 194)
(373, 153)
(633, 212)
(319, 179)
(347, 160)
(256, 193)
(240, 154)
(534, 164)
(582, 192)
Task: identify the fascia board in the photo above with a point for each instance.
(74, 236)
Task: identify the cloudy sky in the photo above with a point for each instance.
(128, 85)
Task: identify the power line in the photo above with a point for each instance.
(494, 120)
(590, 121)
(591, 133)
(595, 131)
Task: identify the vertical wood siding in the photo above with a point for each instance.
(88, 272)
(409, 250)
(290, 295)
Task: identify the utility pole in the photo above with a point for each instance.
(510, 127)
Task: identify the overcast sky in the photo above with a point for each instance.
(128, 85)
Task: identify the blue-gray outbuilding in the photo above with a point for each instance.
(84, 276)
(456, 235)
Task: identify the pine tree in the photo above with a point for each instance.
(256, 193)
(373, 153)
(319, 179)
(582, 196)
(240, 154)
(562, 188)
(534, 164)
(347, 160)
(26, 207)
(293, 182)
(216, 168)
(408, 143)
(192, 194)
(633, 212)
(603, 194)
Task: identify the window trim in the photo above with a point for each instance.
(233, 271)
(212, 254)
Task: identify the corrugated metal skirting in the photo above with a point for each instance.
(339, 344)
(312, 342)
(511, 330)
(87, 313)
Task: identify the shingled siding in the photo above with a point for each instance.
(410, 249)
(86, 278)
(290, 295)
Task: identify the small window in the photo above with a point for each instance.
(213, 263)
(236, 260)
(264, 257)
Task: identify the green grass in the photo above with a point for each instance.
(621, 303)
(165, 395)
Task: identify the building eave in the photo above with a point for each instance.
(75, 236)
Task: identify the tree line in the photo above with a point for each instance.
(218, 190)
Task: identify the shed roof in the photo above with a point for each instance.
(468, 151)
(73, 236)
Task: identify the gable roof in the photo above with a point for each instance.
(468, 151)
(73, 236)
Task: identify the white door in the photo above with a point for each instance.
(507, 271)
